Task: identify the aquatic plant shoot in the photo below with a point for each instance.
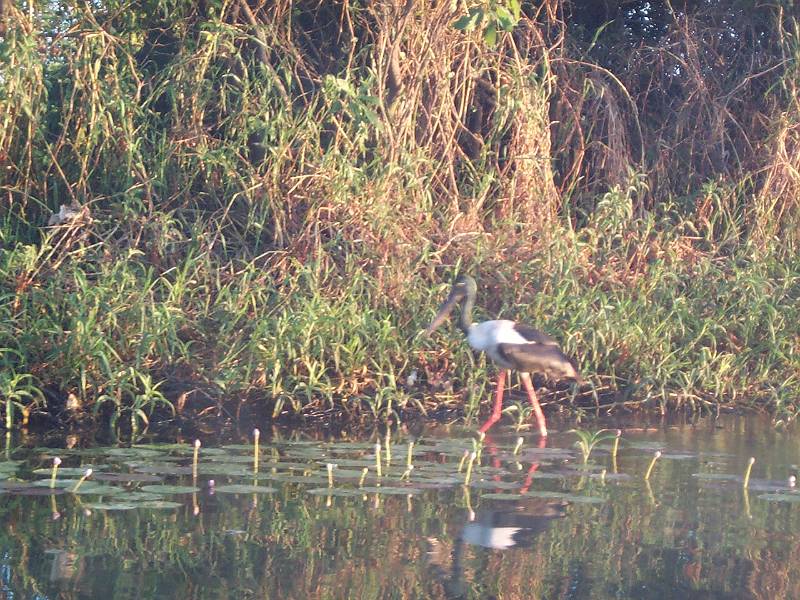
(746, 479)
(656, 456)
(54, 472)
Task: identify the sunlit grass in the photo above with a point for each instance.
(231, 248)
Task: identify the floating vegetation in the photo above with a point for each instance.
(127, 477)
(243, 488)
(502, 496)
(677, 456)
(496, 485)
(113, 505)
(92, 487)
(791, 497)
(68, 471)
(170, 489)
(717, 476)
(327, 491)
(162, 469)
(30, 489)
(388, 490)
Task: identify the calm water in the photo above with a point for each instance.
(538, 524)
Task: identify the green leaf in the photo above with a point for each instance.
(505, 19)
(490, 35)
(469, 21)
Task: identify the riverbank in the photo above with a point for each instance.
(277, 232)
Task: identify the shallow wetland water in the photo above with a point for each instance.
(538, 523)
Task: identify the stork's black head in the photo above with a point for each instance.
(464, 287)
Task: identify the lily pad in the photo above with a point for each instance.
(9, 466)
(68, 471)
(98, 489)
(127, 477)
(315, 479)
(158, 504)
(170, 489)
(717, 476)
(245, 489)
(163, 469)
(232, 458)
(496, 485)
(32, 490)
(390, 490)
(112, 505)
(321, 491)
(136, 452)
(789, 497)
(224, 469)
(502, 496)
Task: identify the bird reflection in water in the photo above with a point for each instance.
(498, 527)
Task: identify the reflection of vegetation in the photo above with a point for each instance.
(292, 544)
(253, 201)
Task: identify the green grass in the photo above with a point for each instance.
(234, 247)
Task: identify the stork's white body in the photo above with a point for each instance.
(486, 337)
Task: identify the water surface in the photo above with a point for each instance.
(538, 524)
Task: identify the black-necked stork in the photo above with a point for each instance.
(510, 345)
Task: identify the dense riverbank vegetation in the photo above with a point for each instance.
(263, 203)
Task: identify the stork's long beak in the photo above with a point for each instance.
(444, 311)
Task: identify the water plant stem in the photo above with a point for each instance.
(464, 457)
(86, 475)
(468, 476)
(195, 456)
(656, 456)
(378, 459)
(54, 472)
(256, 452)
(614, 449)
(615, 446)
(518, 445)
(746, 480)
(330, 467)
(479, 446)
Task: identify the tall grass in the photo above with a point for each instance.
(264, 214)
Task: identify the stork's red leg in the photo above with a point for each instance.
(498, 402)
(542, 443)
(537, 410)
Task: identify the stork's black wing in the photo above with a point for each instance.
(534, 335)
(548, 360)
